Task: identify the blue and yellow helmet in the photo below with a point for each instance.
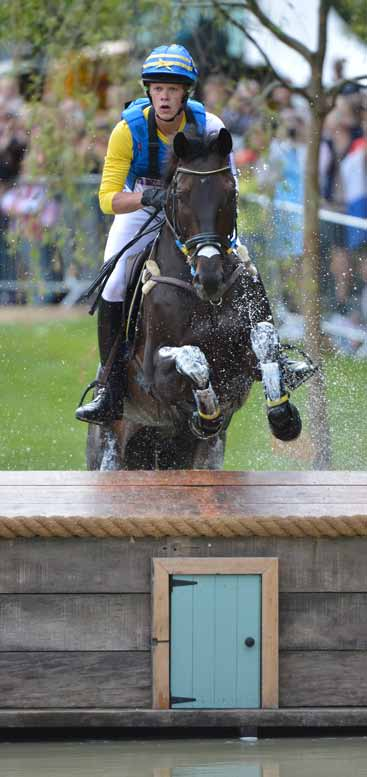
(169, 64)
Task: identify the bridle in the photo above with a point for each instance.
(225, 245)
(196, 242)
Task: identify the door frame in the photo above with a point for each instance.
(163, 568)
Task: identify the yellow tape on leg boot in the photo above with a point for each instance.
(211, 417)
(277, 402)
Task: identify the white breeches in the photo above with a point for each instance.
(123, 229)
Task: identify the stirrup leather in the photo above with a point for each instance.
(93, 384)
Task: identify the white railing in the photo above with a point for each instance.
(294, 207)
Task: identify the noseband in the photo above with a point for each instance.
(225, 245)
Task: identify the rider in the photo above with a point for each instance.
(132, 181)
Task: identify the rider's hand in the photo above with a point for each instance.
(153, 197)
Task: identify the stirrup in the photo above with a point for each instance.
(89, 388)
(295, 372)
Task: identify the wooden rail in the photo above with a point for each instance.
(191, 504)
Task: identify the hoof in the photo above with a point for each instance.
(285, 422)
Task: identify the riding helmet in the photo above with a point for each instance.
(169, 64)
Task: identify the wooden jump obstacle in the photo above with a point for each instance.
(89, 563)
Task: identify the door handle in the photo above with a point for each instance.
(249, 641)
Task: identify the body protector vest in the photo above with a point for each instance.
(149, 152)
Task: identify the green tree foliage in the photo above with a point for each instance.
(354, 12)
(50, 26)
(63, 67)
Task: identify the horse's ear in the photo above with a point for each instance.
(180, 145)
(224, 142)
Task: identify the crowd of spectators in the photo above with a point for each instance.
(270, 130)
(48, 202)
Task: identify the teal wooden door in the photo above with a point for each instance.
(212, 618)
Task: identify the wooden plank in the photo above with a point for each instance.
(120, 566)
(314, 717)
(75, 622)
(160, 669)
(178, 477)
(270, 651)
(217, 566)
(182, 502)
(326, 621)
(104, 679)
(323, 678)
(251, 618)
(71, 566)
(211, 510)
(160, 606)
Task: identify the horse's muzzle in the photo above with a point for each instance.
(208, 280)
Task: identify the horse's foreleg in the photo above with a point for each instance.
(111, 459)
(116, 437)
(284, 419)
(191, 363)
(209, 454)
(265, 344)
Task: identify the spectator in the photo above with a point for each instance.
(32, 214)
(13, 144)
(217, 91)
(240, 113)
(338, 72)
(280, 99)
(343, 186)
(286, 172)
(252, 162)
(255, 144)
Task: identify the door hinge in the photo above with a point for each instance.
(174, 582)
(180, 699)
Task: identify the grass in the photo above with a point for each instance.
(43, 370)
(45, 367)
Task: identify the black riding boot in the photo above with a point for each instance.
(107, 405)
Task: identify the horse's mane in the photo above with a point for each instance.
(200, 147)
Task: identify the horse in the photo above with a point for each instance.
(201, 328)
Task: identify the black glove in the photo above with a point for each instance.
(153, 197)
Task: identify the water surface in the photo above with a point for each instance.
(340, 757)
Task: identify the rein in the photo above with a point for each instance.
(168, 280)
(202, 172)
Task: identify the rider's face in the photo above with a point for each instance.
(167, 99)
